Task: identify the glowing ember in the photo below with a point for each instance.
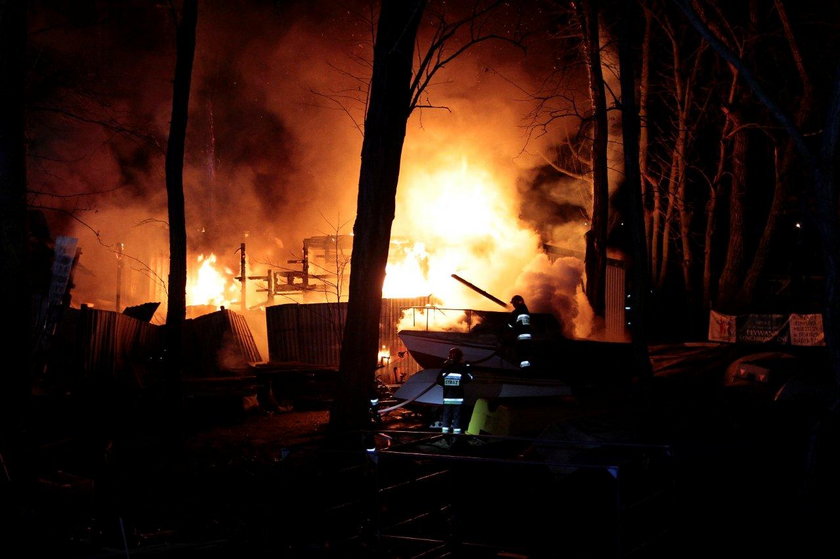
(384, 356)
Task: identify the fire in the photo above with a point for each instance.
(434, 318)
(384, 356)
(461, 219)
(208, 285)
(407, 270)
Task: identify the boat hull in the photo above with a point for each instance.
(430, 349)
(421, 388)
(489, 348)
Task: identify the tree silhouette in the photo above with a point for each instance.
(15, 380)
(396, 89)
(819, 162)
(385, 125)
(177, 292)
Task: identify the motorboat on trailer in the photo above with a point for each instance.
(421, 387)
(431, 348)
(560, 364)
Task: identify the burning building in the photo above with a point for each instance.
(269, 164)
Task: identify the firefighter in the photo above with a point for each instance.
(520, 322)
(453, 376)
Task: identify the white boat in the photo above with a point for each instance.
(421, 387)
(431, 348)
(559, 362)
(489, 344)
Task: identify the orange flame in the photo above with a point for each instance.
(461, 220)
(208, 285)
(384, 356)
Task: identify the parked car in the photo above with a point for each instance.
(799, 375)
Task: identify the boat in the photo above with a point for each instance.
(421, 388)
(560, 364)
(486, 340)
(431, 348)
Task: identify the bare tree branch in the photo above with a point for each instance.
(110, 124)
(747, 74)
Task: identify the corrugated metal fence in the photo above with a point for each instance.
(92, 344)
(95, 345)
(219, 343)
(311, 333)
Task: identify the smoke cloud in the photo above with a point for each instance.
(273, 151)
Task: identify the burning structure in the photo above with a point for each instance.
(468, 199)
(472, 203)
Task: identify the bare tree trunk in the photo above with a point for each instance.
(733, 266)
(708, 237)
(176, 303)
(656, 235)
(781, 191)
(177, 292)
(596, 238)
(15, 379)
(731, 274)
(385, 126)
(715, 191)
(668, 221)
(644, 87)
(683, 210)
(821, 165)
(635, 215)
(677, 207)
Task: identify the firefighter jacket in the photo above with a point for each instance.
(520, 321)
(453, 377)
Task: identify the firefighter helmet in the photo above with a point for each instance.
(517, 300)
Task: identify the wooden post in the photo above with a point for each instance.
(243, 276)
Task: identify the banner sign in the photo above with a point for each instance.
(793, 329)
(722, 327)
(65, 253)
(50, 308)
(763, 328)
(806, 330)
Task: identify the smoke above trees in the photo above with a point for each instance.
(273, 136)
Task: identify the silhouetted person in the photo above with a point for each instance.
(453, 376)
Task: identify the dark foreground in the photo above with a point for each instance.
(687, 470)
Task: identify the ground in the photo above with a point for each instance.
(248, 481)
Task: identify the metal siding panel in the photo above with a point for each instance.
(615, 298)
(99, 358)
(87, 342)
(219, 343)
(244, 338)
(203, 337)
(311, 333)
(125, 338)
(391, 314)
(321, 327)
(98, 345)
(149, 341)
(281, 332)
(65, 350)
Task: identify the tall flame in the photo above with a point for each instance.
(208, 285)
(460, 221)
